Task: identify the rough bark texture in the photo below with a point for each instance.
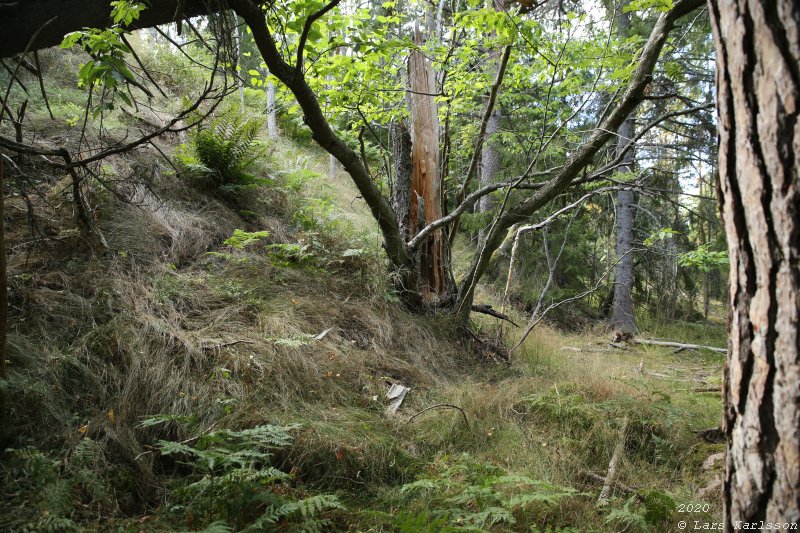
(4, 431)
(622, 317)
(400, 140)
(490, 161)
(22, 19)
(758, 92)
(3, 282)
(426, 185)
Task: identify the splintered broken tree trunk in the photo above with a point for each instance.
(425, 201)
(758, 100)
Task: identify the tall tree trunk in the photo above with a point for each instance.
(490, 160)
(622, 316)
(425, 203)
(758, 98)
(490, 156)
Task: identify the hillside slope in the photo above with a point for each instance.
(149, 381)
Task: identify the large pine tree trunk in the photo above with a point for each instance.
(3, 283)
(622, 316)
(758, 92)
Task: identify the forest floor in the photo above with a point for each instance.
(135, 375)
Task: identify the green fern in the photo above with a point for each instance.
(629, 517)
(46, 495)
(311, 506)
(242, 239)
(490, 517)
(213, 527)
(233, 478)
(475, 495)
(222, 152)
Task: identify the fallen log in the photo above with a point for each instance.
(680, 345)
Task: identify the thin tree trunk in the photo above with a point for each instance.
(490, 156)
(236, 72)
(631, 98)
(272, 123)
(622, 317)
(758, 100)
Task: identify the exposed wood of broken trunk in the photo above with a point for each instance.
(425, 202)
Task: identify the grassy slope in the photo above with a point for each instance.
(159, 326)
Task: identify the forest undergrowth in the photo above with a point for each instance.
(223, 366)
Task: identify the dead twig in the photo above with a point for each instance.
(706, 389)
(226, 344)
(488, 310)
(441, 406)
(601, 479)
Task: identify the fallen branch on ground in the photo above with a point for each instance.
(226, 344)
(609, 481)
(707, 389)
(681, 345)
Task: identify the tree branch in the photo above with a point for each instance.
(632, 97)
(306, 30)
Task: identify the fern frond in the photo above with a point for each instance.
(214, 527)
(310, 506)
